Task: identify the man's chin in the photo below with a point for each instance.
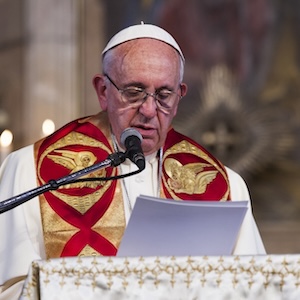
(149, 148)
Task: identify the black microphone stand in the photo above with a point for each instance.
(113, 160)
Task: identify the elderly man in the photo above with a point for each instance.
(141, 87)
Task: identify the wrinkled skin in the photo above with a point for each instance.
(146, 63)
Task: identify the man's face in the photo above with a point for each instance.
(146, 64)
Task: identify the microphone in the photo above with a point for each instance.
(132, 140)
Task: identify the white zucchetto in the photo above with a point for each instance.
(142, 31)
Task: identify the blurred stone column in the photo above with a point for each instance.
(92, 41)
(51, 62)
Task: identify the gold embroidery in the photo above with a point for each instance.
(76, 161)
(88, 251)
(186, 147)
(73, 138)
(81, 203)
(251, 275)
(190, 178)
(111, 222)
(174, 185)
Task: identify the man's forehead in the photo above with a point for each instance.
(140, 55)
(145, 46)
(142, 31)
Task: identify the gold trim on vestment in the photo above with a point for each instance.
(190, 178)
(57, 231)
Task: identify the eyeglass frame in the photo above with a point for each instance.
(147, 94)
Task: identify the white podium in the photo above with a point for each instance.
(204, 277)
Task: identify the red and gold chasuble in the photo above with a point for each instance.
(87, 218)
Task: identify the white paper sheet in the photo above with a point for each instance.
(164, 227)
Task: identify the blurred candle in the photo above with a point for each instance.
(48, 127)
(6, 139)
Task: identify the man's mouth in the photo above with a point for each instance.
(146, 131)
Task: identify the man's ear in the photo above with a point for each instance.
(100, 87)
(184, 89)
(183, 92)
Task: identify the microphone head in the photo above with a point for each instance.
(129, 132)
(131, 139)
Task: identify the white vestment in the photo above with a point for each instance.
(21, 229)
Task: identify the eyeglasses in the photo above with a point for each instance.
(135, 96)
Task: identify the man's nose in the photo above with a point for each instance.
(149, 106)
